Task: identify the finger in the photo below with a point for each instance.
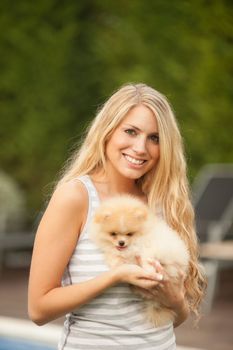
(139, 260)
(161, 286)
(180, 269)
(156, 264)
(153, 293)
(147, 293)
(159, 266)
(148, 284)
(155, 276)
(181, 276)
(159, 277)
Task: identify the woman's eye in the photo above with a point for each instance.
(130, 132)
(154, 138)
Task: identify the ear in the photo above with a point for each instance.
(140, 214)
(102, 216)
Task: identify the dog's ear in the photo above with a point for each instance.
(140, 214)
(102, 216)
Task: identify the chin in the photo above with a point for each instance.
(123, 227)
(133, 174)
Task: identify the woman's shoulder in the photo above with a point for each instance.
(70, 195)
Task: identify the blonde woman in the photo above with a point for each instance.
(132, 146)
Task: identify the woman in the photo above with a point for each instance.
(133, 146)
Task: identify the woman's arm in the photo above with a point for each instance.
(182, 312)
(55, 242)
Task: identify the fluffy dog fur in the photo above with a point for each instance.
(123, 227)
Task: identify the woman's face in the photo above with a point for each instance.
(133, 148)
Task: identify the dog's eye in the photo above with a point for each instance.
(129, 234)
(113, 234)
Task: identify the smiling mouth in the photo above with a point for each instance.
(134, 160)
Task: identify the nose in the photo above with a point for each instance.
(139, 145)
(121, 243)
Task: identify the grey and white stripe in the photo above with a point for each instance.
(115, 319)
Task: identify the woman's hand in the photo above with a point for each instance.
(136, 275)
(170, 292)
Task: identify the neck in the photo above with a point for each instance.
(115, 184)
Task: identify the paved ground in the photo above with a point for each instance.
(215, 330)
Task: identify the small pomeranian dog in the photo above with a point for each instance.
(124, 228)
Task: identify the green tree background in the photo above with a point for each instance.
(61, 59)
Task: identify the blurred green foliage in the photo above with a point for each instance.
(61, 59)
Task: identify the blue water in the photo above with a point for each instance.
(19, 344)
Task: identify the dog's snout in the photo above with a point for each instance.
(121, 243)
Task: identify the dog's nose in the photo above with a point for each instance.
(121, 243)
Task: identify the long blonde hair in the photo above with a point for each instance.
(166, 184)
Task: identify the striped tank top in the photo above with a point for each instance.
(113, 320)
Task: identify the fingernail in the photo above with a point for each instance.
(160, 277)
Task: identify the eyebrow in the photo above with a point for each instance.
(138, 129)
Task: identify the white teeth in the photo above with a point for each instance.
(133, 160)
